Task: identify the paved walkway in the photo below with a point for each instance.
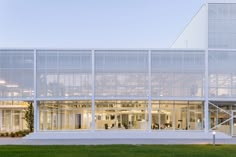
(20, 141)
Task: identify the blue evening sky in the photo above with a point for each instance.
(94, 23)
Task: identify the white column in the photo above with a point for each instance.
(206, 102)
(149, 92)
(93, 92)
(232, 122)
(35, 93)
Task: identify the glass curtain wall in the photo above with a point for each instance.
(177, 115)
(64, 74)
(65, 115)
(221, 26)
(121, 74)
(121, 114)
(12, 116)
(16, 74)
(177, 73)
(222, 74)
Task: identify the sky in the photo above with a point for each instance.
(94, 23)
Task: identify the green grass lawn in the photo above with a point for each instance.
(120, 151)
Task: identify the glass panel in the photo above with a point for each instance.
(177, 115)
(234, 124)
(177, 73)
(16, 73)
(220, 117)
(222, 24)
(222, 76)
(166, 119)
(121, 73)
(181, 116)
(121, 115)
(6, 120)
(12, 116)
(12, 120)
(64, 73)
(196, 116)
(65, 115)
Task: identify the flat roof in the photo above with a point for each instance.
(220, 1)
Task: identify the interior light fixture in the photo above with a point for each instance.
(2, 82)
(12, 86)
(27, 91)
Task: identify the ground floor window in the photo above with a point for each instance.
(65, 115)
(121, 114)
(222, 117)
(12, 116)
(177, 115)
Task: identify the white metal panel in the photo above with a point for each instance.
(194, 35)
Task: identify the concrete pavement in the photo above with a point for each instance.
(20, 141)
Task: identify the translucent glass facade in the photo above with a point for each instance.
(222, 67)
(177, 73)
(126, 89)
(222, 74)
(121, 73)
(120, 84)
(16, 74)
(64, 73)
(221, 25)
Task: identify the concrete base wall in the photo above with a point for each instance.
(127, 135)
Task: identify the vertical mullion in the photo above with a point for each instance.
(93, 91)
(149, 92)
(35, 94)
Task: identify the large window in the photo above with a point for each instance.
(65, 115)
(222, 74)
(121, 73)
(221, 117)
(16, 74)
(64, 73)
(177, 73)
(12, 116)
(177, 115)
(121, 115)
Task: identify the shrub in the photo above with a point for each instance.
(16, 134)
(12, 134)
(29, 116)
